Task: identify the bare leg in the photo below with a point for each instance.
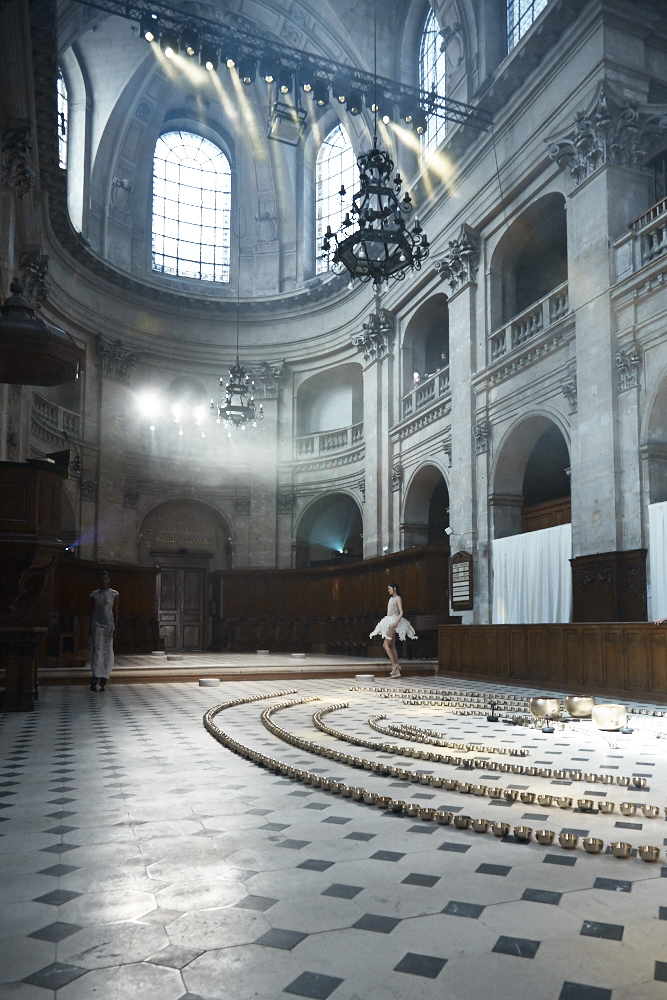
(390, 649)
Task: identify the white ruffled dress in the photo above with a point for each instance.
(404, 629)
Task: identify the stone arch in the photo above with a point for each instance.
(426, 508)
(530, 258)
(330, 400)
(530, 458)
(329, 531)
(654, 438)
(425, 340)
(185, 527)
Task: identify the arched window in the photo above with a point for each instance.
(192, 185)
(520, 16)
(335, 168)
(62, 122)
(432, 77)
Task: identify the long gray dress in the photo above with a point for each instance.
(101, 637)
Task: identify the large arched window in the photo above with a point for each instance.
(520, 16)
(62, 122)
(335, 168)
(192, 185)
(432, 77)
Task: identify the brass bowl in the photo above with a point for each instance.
(397, 805)
(579, 706)
(575, 776)
(568, 840)
(528, 798)
(383, 801)
(492, 765)
(450, 784)
(495, 793)
(620, 780)
(415, 776)
(464, 786)
(316, 782)
(564, 802)
(500, 829)
(586, 805)
(628, 808)
(481, 825)
(639, 782)
(651, 811)
(426, 813)
(541, 707)
(357, 793)
(479, 789)
(436, 782)
(531, 771)
(606, 779)
(511, 794)
(462, 822)
(590, 777)
(545, 772)
(523, 833)
(443, 817)
(346, 792)
(560, 775)
(620, 849)
(370, 798)
(327, 784)
(545, 837)
(606, 807)
(411, 809)
(545, 800)
(609, 717)
(517, 768)
(425, 779)
(504, 768)
(593, 845)
(648, 853)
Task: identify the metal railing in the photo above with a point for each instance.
(328, 442)
(425, 392)
(528, 324)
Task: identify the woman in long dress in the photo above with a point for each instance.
(103, 622)
(394, 624)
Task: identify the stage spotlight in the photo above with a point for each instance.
(340, 88)
(286, 80)
(320, 91)
(190, 42)
(169, 43)
(269, 67)
(385, 110)
(406, 110)
(209, 57)
(149, 26)
(247, 69)
(419, 122)
(306, 80)
(230, 53)
(355, 102)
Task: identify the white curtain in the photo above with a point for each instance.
(657, 558)
(532, 577)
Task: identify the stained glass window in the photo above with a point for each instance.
(62, 122)
(335, 167)
(192, 192)
(520, 16)
(432, 77)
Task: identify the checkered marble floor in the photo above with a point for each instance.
(141, 859)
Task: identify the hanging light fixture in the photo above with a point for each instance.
(238, 408)
(380, 246)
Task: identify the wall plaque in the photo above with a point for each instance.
(461, 581)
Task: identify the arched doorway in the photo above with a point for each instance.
(187, 540)
(329, 532)
(426, 509)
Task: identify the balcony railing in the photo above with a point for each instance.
(538, 317)
(328, 442)
(426, 392)
(56, 418)
(645, 241)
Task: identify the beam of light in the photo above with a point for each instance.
(248, 115)
(170, 66)
(434, 165)
(228, 106)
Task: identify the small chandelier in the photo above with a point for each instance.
(381, 247)
(238, 407)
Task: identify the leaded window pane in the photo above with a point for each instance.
(335, 168)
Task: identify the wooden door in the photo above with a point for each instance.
(181, 608)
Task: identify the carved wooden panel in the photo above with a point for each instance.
(609, 587)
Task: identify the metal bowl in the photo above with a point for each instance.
(607, 779)
(651, 811)
(464, 786)
(560, 775)
(545, 800)
(495, 793)
(568, 840)
(575, 776)
(443, 817)
(648, 853)
(579, 706)
(462, 822)
(383, 801)
(545, 772)
(590, 777)
(541, 707)
(564, 802)
(639, 782)
(500, 829)
(511, 794)
(426, 813)
(411, 809)
(479, 789)
(523, 833)
(628, 808)
(450, 784)
(620, 849)
(620, 780)
(606, 807)
(586, 805)
(593, 845)
(531, 771)
(481, 825)
(528, 798)
(609, 717)
(397, 805)
(545, 837)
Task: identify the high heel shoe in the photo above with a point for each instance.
(395, 672)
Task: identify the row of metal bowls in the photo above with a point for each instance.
(606, 717)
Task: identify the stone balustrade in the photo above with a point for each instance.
(56, 418)
(426, 392)
(531, 322)
(645, 241)
(328, 442)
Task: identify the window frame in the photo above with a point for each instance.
(62, 126)
(322, 266)
(209, 137)
(436, 128)
(518, 26)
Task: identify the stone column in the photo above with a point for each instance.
(263, 526)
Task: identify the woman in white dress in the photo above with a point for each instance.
(394, 624)
(103, 622)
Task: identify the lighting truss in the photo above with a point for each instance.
(243, 37)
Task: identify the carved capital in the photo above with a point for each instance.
(460, 262)
(362, 489)
(88, 491)
(376, 339)
(16, 170)
(396, 477)
(266, 377)
(286, 502)
(569, 389)
(482, 434)
(34, 267)
(628, 368)
(242, 505)
(612, 131)
(115, 360)
(131, 499)
(447, 448)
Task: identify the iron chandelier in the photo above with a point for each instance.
(238, 407)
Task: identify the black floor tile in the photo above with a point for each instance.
(521, 947)
(662, 913)
(342, 891)
(575, 831)
(387, 856)
(542, 896)
(456, 909)
(60, 831)
(487, 869)
(422, 829)
(57, 897)
(414, 878)
(277, 937)
(610, 932)
(454, 848)
(421, 965)
(59, 848)
(57, 871)
(313, 865)
(338, 820)
(261, 903)
(54, 976)
(376, 922)
(559, 859)
(355, 835)
(628, 826)
(274, 826)
(579, 991)
(294, 845)
(317, 805)
(613, 884)
(313, 985)
(660, 972)
(258, 812)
